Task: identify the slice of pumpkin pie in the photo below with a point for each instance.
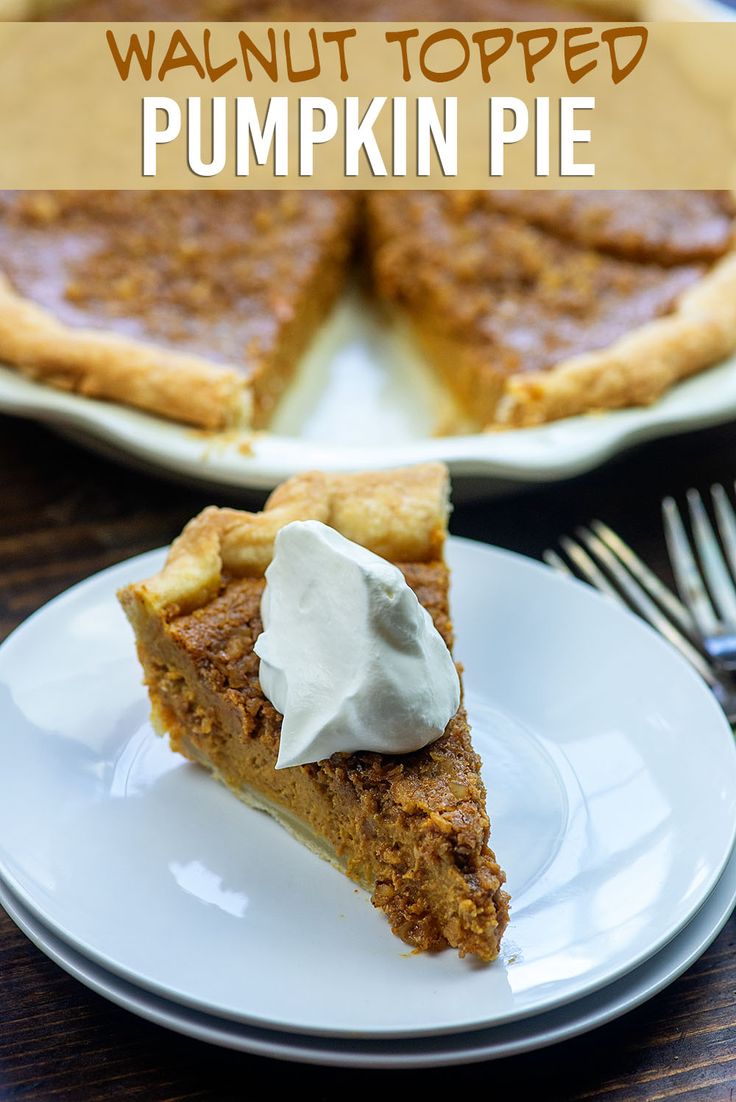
(368, 758)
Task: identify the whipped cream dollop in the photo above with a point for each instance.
(348, 655)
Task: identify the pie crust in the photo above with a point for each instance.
(637, 369)
(411, 828)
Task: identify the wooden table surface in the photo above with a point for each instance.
(65, 514)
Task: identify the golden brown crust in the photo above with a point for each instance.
(399, 514)
(638, 368)
(102, 365)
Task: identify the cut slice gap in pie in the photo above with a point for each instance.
(411, 828)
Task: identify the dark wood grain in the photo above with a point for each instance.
(66, 513)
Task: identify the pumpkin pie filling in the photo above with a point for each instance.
(654, 227)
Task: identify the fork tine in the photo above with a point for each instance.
(726, 523)
(644, 605)
(687, 575)
(719, 580)
(588, 568)
(553, 559)
(667, 599)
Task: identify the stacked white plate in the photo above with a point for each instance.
(611, 775)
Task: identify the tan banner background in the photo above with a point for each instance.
(67, 119)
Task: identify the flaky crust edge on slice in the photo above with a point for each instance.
(638, 368)
(399, 514)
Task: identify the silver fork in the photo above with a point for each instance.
(706, 637)
(716, 630)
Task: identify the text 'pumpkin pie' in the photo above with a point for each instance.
(412, 828)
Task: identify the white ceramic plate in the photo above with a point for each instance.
(612, 780)
(538, 1032)
(365, 400)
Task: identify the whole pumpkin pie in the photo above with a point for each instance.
(531, 306)
(412, 828)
